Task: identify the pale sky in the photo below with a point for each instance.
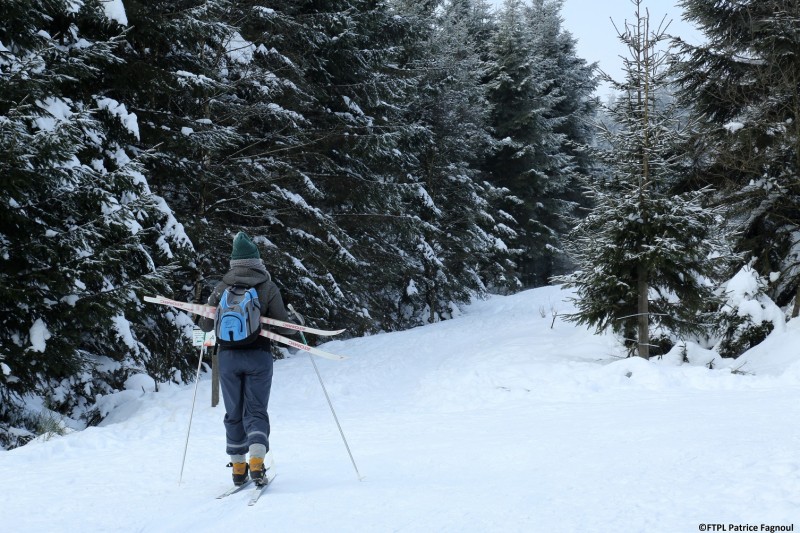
(589, 21)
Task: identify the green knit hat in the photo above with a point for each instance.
(244, 248)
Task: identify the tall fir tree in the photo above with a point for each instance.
(744, 82)
(232, 120)
(531, 121)
(571, 86)
(646, 256)
(80, 231)
(357, 237)
(461, 252)
(172, 78)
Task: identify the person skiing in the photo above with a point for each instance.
(245, 370)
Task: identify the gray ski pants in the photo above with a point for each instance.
(246, 379)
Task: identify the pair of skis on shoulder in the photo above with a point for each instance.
(209, 311)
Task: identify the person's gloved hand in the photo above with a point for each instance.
(296, 317)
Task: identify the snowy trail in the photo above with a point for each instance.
(492, 421)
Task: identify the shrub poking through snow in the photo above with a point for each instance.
(749, 315)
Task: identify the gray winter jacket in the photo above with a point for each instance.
(268, 295)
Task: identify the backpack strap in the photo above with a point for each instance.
(263, 294)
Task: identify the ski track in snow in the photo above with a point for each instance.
(491, 421)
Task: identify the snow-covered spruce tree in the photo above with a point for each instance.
(80, 231)
(644, 255)
(482, 26)
(359, 233)
(338, 215)
(572, 85)
(744, 82)
(310, 255)
(477, 228)
(529, 158)
(461, 252)
(189, 115)
(225, 122)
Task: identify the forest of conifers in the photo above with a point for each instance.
(393, 160)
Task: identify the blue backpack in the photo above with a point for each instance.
(238, 320)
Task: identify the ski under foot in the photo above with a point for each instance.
(260, 488)
(235, 489)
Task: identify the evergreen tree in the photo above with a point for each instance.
(173, 78)
(540, 95)
(461, 250)
(80, 231)
(645, 255)
(571, 87)
(231, 126)
(356, 233)
(743, 82)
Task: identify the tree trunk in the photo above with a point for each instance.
(796, 309)
(643, 313)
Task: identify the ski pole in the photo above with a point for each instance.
(330, 404)
(191, 413)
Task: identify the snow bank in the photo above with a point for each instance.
(778, 354)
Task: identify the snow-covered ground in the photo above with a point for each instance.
(493, 421)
